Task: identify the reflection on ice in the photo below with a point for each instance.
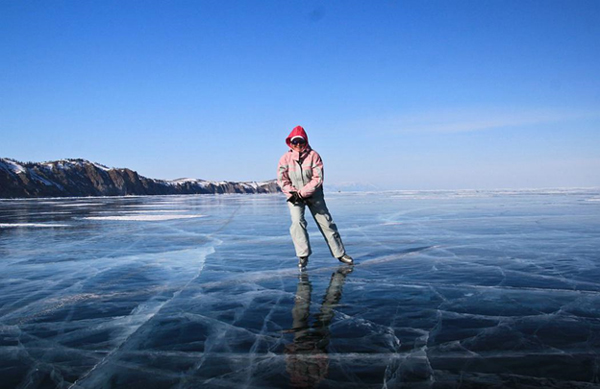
(451, 289)
(306, 357)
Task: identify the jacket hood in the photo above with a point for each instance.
(297, 131)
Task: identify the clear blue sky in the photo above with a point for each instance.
(399, 94)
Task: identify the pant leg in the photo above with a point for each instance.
(319, 210)
(298, 230)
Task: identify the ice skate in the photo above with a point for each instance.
(302, 262)
(346, 259)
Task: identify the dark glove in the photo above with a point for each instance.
(296, 198)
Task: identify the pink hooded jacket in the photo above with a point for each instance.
(300, 172)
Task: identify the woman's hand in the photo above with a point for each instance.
(296, 198)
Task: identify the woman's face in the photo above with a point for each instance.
(298, 146)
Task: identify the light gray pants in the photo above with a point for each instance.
(321, 214)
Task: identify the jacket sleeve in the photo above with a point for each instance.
(283, 177)
(316, 181)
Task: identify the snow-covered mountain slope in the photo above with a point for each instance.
(79, 177)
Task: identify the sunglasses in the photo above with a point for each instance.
(298, 141)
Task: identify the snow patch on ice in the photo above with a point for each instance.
(31, 225)
(160, 206)
(143, 217)
(79, 204)
(154, 211)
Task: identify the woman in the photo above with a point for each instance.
(300, 176)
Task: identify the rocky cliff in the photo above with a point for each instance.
(78, 177)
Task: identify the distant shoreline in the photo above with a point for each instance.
(81, 178)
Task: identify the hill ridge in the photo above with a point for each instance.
(78, 177)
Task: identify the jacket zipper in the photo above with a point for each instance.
(301, 172)
(300, 160)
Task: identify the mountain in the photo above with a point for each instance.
(78, 177)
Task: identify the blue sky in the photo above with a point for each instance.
(398, 94)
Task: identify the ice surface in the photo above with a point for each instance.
(469, 289)
(140, 217)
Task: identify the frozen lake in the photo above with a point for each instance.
(451, 289)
